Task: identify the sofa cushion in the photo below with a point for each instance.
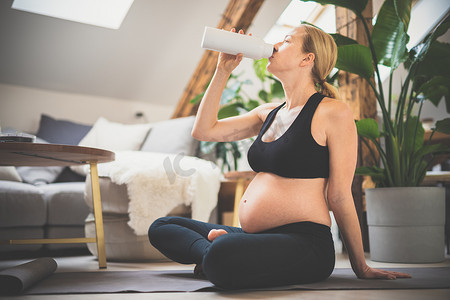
(61, 131)
(114, 196)
(172, 136)
(65, 203)
(21, 204)
(9, 174)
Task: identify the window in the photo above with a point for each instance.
(104, 13)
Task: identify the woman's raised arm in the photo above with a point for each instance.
(207, 127)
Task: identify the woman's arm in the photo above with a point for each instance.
(207, 127)
(342, 144)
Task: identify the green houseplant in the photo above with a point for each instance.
(235, 101)
(405, 157)
(398, 201)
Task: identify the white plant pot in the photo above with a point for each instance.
(406, 224)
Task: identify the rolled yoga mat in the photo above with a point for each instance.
(17, 279)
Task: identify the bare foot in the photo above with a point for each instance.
(215, 233)
(198, 271)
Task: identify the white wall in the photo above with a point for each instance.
(21, 108)
(22, 105)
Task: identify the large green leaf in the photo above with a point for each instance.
(443, 126)
(355, 59)
(276, 89)
(229, 110)
(342, 40)
(260, 66)
(310, 24)
(368, 128)
(436, 61)
(430, 149)
(435, 89)
(377, 174)
(389, 33)
(403, 11)
(399, 53)
(263, 95)
(418, 52)
(356, 6)
(432, 73)
(442, 28)
(197, 98)
(251, 104)
(414, 133)
(231, 93)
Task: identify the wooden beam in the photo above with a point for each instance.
(238, 14)
(358, 94)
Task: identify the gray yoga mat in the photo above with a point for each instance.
(184, 281)
(38, 277)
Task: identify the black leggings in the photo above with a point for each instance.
(290, 254)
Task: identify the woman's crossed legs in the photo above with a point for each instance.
(242, 260)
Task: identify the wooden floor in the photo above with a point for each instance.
(88, 263)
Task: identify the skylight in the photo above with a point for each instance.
(298, 11)
(104, 13)
(291, 17)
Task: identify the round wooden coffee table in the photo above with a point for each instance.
(34, 154)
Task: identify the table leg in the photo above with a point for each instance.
(237, 199)
(100, 236)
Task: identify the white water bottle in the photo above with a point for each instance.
(234, 43)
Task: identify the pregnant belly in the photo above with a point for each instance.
(271, 201)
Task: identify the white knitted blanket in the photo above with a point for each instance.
(159, 182)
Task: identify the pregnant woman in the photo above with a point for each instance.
(305, 156)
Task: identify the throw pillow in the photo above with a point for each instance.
(172, 136)
(9, 174)
(39, 175)
(61, 131)
(114, 137)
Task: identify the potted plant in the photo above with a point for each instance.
(406, 222)
(235, 101)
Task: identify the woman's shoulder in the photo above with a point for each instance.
(334, 109)
(264, 109)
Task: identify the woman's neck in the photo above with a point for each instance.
(298, 91)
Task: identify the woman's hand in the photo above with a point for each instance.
(228, 62)
(371, 273)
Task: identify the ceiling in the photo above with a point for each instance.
(149, 59)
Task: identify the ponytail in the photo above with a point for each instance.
(325, 50)
(327, 90)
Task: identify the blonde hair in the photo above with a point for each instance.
(325, 50)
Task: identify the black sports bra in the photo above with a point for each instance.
(295, 154)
